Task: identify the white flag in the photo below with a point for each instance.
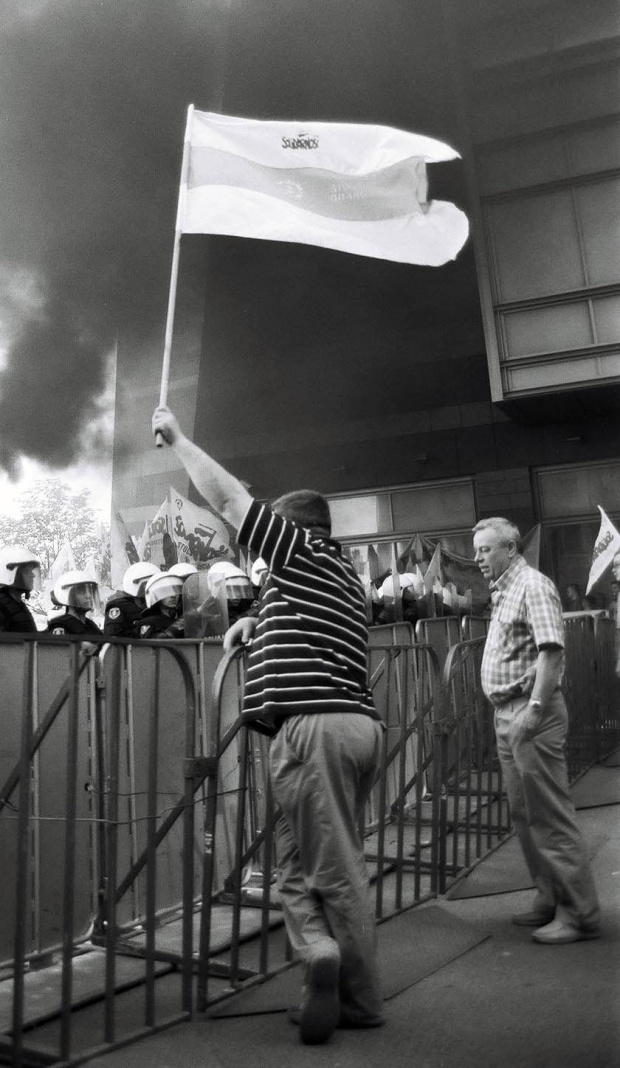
(346, 186)
(200, 537)
(182, 532)
(122, 549)
(64, 562)
(605, 548)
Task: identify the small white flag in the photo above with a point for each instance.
(347, 186)
(605, 548)
(65, 561)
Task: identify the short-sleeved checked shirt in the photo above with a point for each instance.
(526, 616)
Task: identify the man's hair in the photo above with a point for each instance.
(307, 508)
(505, 528)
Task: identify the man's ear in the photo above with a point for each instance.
(512, 548)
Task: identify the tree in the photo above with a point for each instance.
(52, 513)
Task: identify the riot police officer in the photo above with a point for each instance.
(239, 592)
(79, 594)
(20, 573)
(124, 609)
(161, 618)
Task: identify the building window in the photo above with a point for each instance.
(431, 507)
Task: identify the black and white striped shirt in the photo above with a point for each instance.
(308, 653)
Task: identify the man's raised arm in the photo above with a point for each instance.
(219, 488)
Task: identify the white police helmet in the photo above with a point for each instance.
(160, 586)
(76, 589)
(404, 580)
(136, 575)
(13, 560)
(238, 585)
(183, 571)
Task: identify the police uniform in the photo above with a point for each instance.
(122, 613)
(15, 616)
(70, 624)
(154, 624)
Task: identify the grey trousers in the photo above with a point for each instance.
(543, 814)
(322, 769)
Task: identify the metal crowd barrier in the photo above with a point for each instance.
(61, 824)
(136, 817)
(474, 807)
(592, 690)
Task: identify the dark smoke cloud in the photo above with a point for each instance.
(93, 99)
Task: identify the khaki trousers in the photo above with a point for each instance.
(543, 814)
(322, 769)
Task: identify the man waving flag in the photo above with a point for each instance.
(352, 187)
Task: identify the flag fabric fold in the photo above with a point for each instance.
(182, 532)
(606, 546)
(351, 187)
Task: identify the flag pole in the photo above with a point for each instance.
(174, 273)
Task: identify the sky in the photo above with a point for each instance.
(93, 98)
(89, 470)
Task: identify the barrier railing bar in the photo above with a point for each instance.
(402, 694)
(208, 867)
(131, 771)
(189, 823)
(111, 830)
(420, 771)
(242, 792)
(69, 872)
(23, 857)
(267, 872)
(100, 738)
(383, 800)
(483, 797)
(470, 756)
(36, 812)
(151, 853)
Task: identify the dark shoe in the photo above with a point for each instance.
(560, 933)
(320, 1011)
(351, 1023)
(534, 918)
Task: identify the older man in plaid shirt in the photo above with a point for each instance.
(521, 674)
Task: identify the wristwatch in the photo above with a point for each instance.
(535, 704)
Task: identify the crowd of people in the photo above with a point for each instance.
(307, 687)
(149, 605)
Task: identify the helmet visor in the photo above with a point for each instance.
(239, 589)
(27, 577)
(84, 595)
(164, 590)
